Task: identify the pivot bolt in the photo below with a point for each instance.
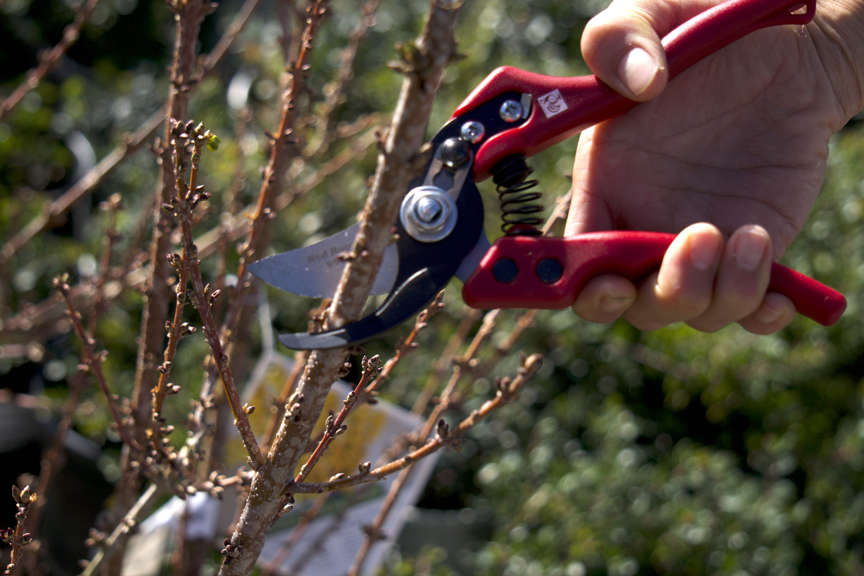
(428, 209)
(510, 111)
(473, 131)
(428, 214)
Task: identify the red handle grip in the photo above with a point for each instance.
(564, 106)
(526, 272)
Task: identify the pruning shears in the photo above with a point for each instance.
(513, 114)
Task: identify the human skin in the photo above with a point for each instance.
(731, 154)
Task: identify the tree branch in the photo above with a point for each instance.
(396, 168)
(49, 59)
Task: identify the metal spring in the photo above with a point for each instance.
(518, 205)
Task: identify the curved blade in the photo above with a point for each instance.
(408, 298)
(315, 270)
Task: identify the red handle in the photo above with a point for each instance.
(563, 106)
(526, 272)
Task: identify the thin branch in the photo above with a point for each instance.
(49, 59)
(282, 151)
(111, 206)
(272, 567)
(188, 16)
(93, 361)
(121, 530)
(54, 212)
(208, 63)
(335, 91)
(17, 538)
(507, 388)
(287, 389)
(52, 461)
(130, 144)
(188, 195)
(44, 319)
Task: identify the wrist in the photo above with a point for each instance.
(838, 33)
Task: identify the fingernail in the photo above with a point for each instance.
(750, 247)
(637, 70)
(704, 252)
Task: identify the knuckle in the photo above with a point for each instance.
(688, 304)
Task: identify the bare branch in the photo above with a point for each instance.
(188, 17)
(44, 319)
(122, 529)
(49, 59)
(52, 461)
(335, 91)
(17, 538)
(93, 361)
(188, 195)
(56, 210)
(396, 167)
(507, 389)
(130, 144)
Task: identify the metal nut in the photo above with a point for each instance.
(428, 214)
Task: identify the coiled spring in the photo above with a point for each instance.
(519, 206)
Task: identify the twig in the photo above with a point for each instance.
(287, 389)
(208, 63)
(54, 212)
(121, 530)
(445, 360)
(507, 388)
(335, 425)
(281, 152)
(372, 376)
(188, 195)
(93, 362)
(111, 206)
(334, 92)
(395, 170)
(49, 59)
(128, 146)
(52, 461)
(17, 538)
(188, 17)
(42, 320)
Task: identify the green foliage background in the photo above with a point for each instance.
(670, 452)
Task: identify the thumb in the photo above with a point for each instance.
(622, 45)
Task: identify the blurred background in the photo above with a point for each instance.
(671, 452)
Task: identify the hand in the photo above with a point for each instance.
(738, 140)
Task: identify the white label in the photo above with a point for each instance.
(552, 103)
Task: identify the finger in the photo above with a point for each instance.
(622, 44)
(588, 210)
(683, 287)
(622, 47)
(742, 279)
(774, 314)
(604, 299)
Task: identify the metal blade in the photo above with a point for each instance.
(473, 258)
(409, 298)
(315, 270)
